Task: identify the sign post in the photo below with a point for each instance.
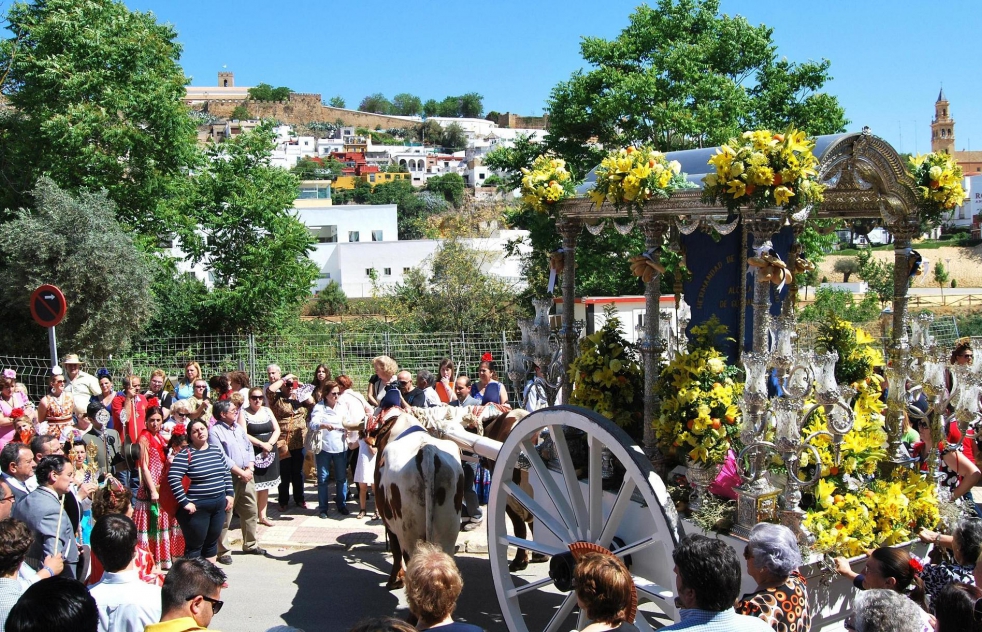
(48, 308)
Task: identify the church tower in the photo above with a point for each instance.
(226, 79)
(942, 127)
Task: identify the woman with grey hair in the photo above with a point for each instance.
(966, 545)
(882, 610)
(781, 598)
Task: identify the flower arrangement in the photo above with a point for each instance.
(699, 417)
(607, 376)
(634, 175)
(765, 170)
(939, 184)
(853, 511)
(547, 182)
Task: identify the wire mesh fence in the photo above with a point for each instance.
(343, 352)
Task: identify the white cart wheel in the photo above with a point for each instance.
(638, 521)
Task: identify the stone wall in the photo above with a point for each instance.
(514, 121)
(302, 108)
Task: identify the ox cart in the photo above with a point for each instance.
(603, 490)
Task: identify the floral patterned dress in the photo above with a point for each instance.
(156, 528)
(784, 607)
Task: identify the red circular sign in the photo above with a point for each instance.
(48, 305)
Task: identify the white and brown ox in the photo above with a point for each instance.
(419, 485)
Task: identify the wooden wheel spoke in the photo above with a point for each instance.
(573, 489)
(542, 517)
(581, 619)
(553, 493)
(532, 545)
(520, 590)
(634, 546)
(560, 616)
(617, 512)
(641, 623)
(595, 478)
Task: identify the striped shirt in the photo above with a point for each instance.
(209, 474)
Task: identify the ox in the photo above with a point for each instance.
(419, 485)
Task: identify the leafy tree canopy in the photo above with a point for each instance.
(76, 243)
(449, 185)
(405, 104)
(96, 93)
(376, 104)
(681, 75)
(248, 236)
(266, 92)
(321, 169)
(336, 102)
(453, 137)
(241, 113)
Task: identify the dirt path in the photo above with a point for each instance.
(965, 265)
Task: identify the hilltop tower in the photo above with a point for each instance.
(227, 79)
(943, 126)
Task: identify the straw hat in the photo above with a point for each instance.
(71, 358)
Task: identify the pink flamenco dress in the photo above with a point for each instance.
(156, 522)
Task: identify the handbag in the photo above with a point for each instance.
(312, 442)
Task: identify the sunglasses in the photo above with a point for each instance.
(256, 398)
(200, 386)
(404, 383)
(216, 604)
(335, 393)
(59, 381)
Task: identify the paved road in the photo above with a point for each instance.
(331, 588)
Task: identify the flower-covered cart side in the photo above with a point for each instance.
(939, 184)
(631, 176)
(547, 183)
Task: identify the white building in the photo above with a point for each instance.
(965, 214)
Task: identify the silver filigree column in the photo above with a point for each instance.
(568, 229)
(899, 370)
(652, 344)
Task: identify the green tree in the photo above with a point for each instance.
(321, 169)
(253, 244)
(330, 301)
(336, 102)
(450, 186)
(77, 244)
(511, 160)
(429, 131)
(376, 104)
(941, 277)
(95, 93)
(471, 105)
(453, 138)
(406, 104)
(846, 267)
(450, 106)
(877, 274)
(266, 92)
(455, 294)
(682, 75)
(843, 304)
(241, 113)
(431, 107)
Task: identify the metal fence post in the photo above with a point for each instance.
(251, 354)
(341, 351)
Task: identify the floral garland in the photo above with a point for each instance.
(765, 170)
(634, 175)
(546, 183)
(699, 417)
(607, 376)
(939, 184)
(853, 511)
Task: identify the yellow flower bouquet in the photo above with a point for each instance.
(607, 377)
(634, 175)
(546, 183)
(765, 170)
(852, 509)
(939, 184)
(699, 418)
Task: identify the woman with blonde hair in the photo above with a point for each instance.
(185, 385)
(385, 372)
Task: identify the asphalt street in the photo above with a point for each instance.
(334, 587)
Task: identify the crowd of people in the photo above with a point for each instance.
(115, 507)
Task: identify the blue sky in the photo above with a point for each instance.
(888, 58)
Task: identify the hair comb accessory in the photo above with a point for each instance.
(10, 374)
(17, 412)
(103, 372)
(916, 566)
(153, 402)
(487, 357)
(179, 429)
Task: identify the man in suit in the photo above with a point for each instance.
(17, 464)
(462, 388)
(43, 512)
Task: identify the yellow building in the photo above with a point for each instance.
(349, 182)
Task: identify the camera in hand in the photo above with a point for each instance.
(290, 384)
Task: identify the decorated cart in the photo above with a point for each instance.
(586, 480)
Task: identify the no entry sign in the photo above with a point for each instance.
(48, 305)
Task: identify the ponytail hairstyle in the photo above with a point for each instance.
(905, 570)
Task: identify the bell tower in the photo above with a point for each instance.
(226, 79)
(943, 126)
